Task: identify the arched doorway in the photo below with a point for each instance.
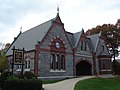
(83, 68)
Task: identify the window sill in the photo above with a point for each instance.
(57, 70)
(18, 70)
(105, 70)
(26, 69)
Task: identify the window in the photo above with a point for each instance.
(57, 62)
(58, 50)
(53, 61)
(27, 64)
(103, 66)
(81, 45)
(102, 47)
(62, 62)
(19, 66)
(57, 45)
(85, 46)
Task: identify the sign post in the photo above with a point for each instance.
(18, 58)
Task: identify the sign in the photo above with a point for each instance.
(18, 57)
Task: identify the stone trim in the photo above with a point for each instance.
(57, 70)
(55, 77)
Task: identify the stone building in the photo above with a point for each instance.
(52, 52)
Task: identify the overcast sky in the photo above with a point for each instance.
(75, 14)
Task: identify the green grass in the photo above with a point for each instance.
(50, 81)
(99, 84)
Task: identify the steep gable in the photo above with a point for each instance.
(97, 44)
(74, 38)
(81, 44)
(77, 38)
(56, 31)
(102, 48)
(71, 38)
(93, 42)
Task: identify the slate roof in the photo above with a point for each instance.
(29, 39)
(93, 41)
(77, 37)
(71, 38)
(74, 38)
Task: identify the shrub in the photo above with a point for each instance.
(29, 75)
(5, 75)
(23, 84)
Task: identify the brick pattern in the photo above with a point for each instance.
(83, 54)
(56, 31)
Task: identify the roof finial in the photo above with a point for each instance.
(21, 29)
(57, 9)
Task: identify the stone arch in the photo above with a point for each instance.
(83, 67)
(57, 42)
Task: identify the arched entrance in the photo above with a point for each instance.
(83, 68)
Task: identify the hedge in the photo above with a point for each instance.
(23, 84)
(1, 83)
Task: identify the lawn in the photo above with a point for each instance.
(99, 84)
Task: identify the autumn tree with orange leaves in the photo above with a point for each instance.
(111, 35)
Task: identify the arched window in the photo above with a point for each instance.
(27, 63)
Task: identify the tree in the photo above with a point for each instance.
(111, 35)
(3, 61)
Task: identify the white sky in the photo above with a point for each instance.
(75, 14)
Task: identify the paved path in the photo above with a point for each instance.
(65, 84)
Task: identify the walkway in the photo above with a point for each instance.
(65, 84)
